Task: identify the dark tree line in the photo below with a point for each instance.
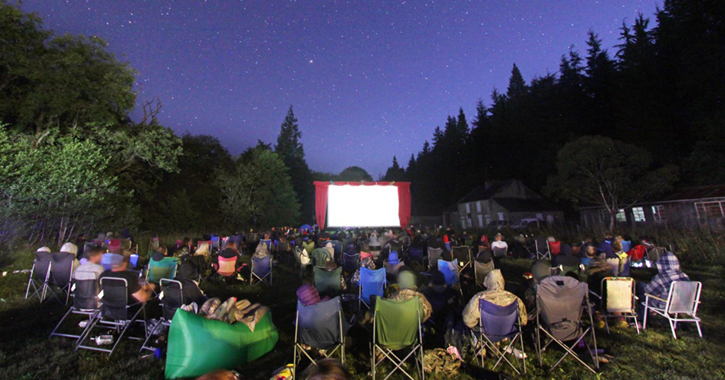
(661, 89)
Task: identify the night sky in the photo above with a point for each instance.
(366, 81)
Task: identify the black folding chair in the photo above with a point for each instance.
(434, 254)
(39, 275)
(463, 254)
(61, 274)
(320, 326)
(171, 298)
(115, 313)
(85, 302)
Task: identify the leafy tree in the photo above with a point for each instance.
(259, 192)
(290, 149)
(354, 174)
(608, 173)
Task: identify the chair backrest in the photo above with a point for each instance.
(415, 253)
(684, 297)
(268, 243)
(297, 251)
(614, 263)
(449, 270)
(351, 262)
(337, 246)
(41, 265)
(560, 301)
(318, 325)
(227, 266)
(321, 256)
(165, 268)
(200, 242)
(499, 251)
(372, 282)
(261, 266)
(397, 323)
(171, 297)
(215, 242)
(542, 245)
(654, 254)
(619, 292)
(434, 254)
(328, 281)
(461, 253)
(61, 268)
(498, 322)
(85, 293)
(482, 270)
(114, 299)
(626, 245)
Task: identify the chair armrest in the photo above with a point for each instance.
(595, 294)
(655, 297)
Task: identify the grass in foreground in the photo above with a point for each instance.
(27, 353)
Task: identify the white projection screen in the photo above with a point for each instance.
(362, 206)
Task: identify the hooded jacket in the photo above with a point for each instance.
(495, 294)
(669, 270)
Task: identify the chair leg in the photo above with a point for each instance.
(673, 326)
(698, 328)
(646, 312)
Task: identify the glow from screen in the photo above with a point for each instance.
(362, 206)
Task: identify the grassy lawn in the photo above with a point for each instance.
(27, 353)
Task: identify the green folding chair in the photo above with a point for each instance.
(165, 268)
(327, 282)
(397, 329)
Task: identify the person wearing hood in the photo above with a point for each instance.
(188, 275)
(392, 266)
(668, 268)
(495, 294)
(407, 288)
(71, 249)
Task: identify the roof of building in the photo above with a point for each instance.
(484, 192)
(529, 205)
(699, 192)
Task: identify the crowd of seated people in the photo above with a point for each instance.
(588, 260)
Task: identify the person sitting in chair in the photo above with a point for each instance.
(188, 275)
(137, 292)
(92, 269)
(495, 294)
(668, 268)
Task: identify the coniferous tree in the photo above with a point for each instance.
(290, 149)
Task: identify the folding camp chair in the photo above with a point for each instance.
(85, 302)
(542, 248)
(450, 271)
(434, 254)
(481, 270)
(115, 313)
(165, 268)
(372, 283)
(397, 326)
(683, 298)
(618, 300)
(215, 242)
(39, 274)
(498, 323)
(415, 254)
(350, 262)
(560, 304)
(654, 254)
(261, 270)
(499, 252)
(319, 326)
(227, 267)
(299, 252)
(171, 298)
(337, 247)
(462, 253)
(61, 274)
(327, 282)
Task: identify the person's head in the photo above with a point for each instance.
(393, 258)
(43, 249)
(159, 254)
(499, 237)
(365, 247)
(231, 245)
(494, 280)
(203, 249)
(69, 248)
(407, 278)
(591, 251)
(437, 278)
(617, 245)
(119, 263)
(186, 241)
(94, 254)
(326, 369)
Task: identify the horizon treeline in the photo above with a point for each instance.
(662, 89)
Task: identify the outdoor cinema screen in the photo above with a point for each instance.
(362, 206)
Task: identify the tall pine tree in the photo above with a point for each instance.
(290, 149)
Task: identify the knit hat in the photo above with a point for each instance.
(393, 258)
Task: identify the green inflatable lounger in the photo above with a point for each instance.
(198, 345)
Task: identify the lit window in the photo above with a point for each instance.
(658, 213)
(620, 216)
(638, 213)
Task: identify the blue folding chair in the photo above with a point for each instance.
(372, 283)
(449, 270)
(261, 270)
(498, 323)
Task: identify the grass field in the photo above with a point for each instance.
(27, 353)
